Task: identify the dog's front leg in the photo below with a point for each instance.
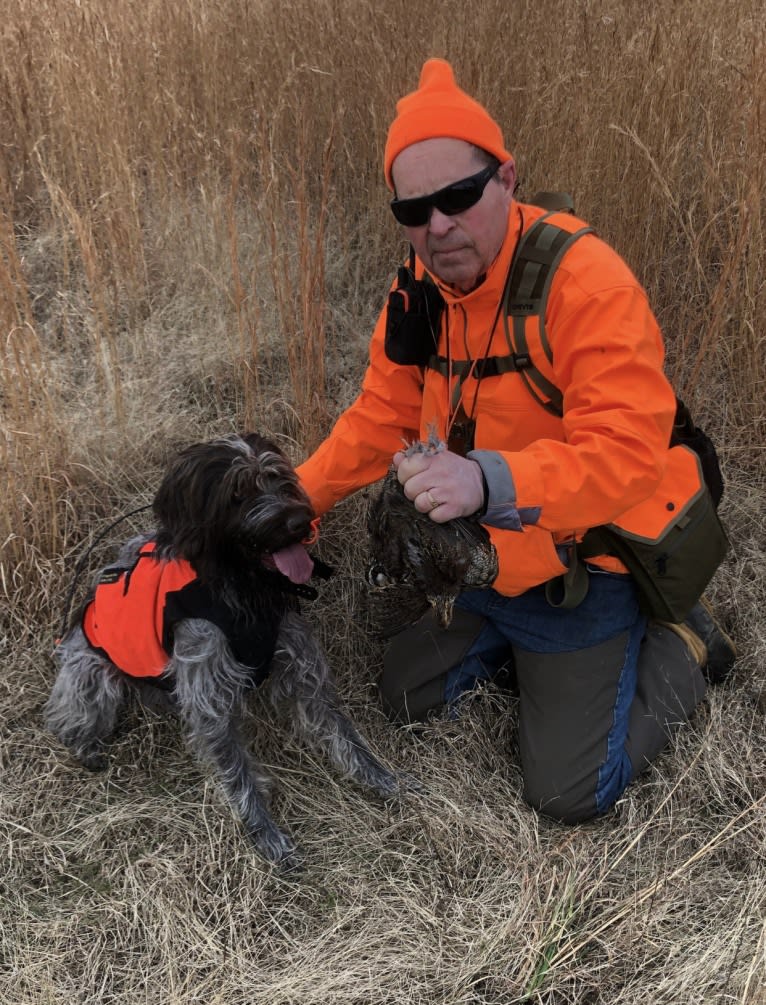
(302, 675)
(210, 688)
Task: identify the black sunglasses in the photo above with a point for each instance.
(450, 200)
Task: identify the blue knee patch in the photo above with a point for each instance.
(616, 772)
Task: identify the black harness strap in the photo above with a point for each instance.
(490, 366)
(526, 295)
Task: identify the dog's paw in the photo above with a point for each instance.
(405, 784)
(408, 783)
(292, 866)
(397, 784)
(93, 760)
(276, 847)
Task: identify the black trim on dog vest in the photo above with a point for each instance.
(251, 642)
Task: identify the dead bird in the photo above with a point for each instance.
(415, 562)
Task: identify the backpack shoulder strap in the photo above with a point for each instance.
(537, 256)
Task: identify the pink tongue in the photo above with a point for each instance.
(294, 562)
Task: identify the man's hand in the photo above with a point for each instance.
(444, 485)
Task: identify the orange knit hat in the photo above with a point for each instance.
(440, 108)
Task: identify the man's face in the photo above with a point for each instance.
(458, 249)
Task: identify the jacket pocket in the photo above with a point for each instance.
(526, 559)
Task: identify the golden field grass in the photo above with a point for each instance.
(194, 238)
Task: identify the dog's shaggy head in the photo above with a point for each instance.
(228, 503)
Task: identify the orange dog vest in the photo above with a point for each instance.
(132, 616)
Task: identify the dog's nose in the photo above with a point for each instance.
(298, 526)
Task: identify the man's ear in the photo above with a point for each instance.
(506, 174)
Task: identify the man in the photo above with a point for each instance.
(600, 691)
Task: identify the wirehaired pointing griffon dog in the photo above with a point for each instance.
(206, 608)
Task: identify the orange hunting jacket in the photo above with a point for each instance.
(550, 479)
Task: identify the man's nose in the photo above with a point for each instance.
(439, 223)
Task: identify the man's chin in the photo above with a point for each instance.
(463, 280)
(452, 268)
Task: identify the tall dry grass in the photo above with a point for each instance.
(193, 238)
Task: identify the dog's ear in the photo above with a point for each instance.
(181, 496)
(165, 500)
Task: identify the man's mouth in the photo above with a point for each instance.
(447, 251)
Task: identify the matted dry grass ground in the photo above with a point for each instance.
(194, 238)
